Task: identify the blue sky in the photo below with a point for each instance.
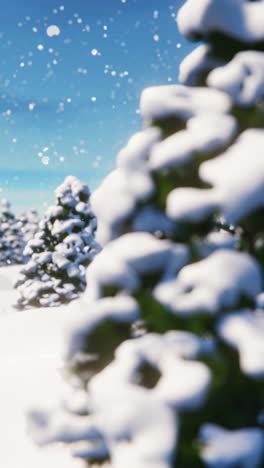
(69, 102)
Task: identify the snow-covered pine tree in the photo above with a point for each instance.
(29, 224)
(168, 347)
(61, 249)
(11, 237)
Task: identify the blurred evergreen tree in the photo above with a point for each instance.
(11, 237)
(169, 343)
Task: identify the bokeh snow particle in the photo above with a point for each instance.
(45, 160)
(95, 52)
(53, 30)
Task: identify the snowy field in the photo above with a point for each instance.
(30, 362)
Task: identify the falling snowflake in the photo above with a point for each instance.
(53, 30)
(45, 160)
(95, 52)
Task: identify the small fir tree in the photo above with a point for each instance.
(11, 237)
(29, 224)
(61, 249)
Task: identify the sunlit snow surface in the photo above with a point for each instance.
(29, 362)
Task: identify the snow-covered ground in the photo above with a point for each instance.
(30, 362)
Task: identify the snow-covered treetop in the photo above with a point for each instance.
(29, 223)
(5, 205)
(240, 19)
(72, 192)
(238, 72)
(12, 239)
(70, 215)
